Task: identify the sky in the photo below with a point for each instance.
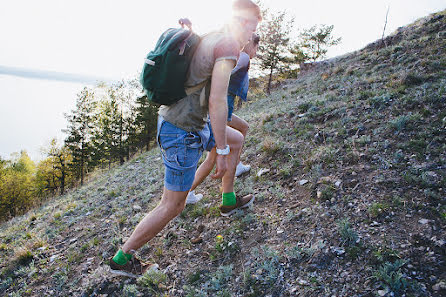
(51, 49)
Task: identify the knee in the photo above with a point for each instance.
(244, 128)
(237, 141)
(173, 208)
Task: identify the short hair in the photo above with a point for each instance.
(255, 39)
(246, 9)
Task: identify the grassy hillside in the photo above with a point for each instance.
(349, 173)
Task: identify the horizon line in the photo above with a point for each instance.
(52, 75)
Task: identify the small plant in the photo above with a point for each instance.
(296, 253)
(220, 279)
(327, 192)
(194, 277)
(198, 210)
(326, 155)
(377, 208)
(74, 257)
(23, 256)
(153, 280)
(84, 247)
(267, 266)
(224, 246)
(348, 235)
(404, 122)
(380, 102)
(389, 275)
(130, 291)
(219, 241)
(385, 254)
(270, 146)
(304, 107)
(158, 252)
(122, 220)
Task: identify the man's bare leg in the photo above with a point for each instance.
(171, 205)
(204, 169)
(235, 140)
(240, 125)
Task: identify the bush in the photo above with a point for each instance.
(348, 235)
(152, 279)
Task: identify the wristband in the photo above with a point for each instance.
(225, 151)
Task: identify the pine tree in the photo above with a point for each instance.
(316, 40)
(146, 121)
(274, 43)
(78, 141)
(107, 130)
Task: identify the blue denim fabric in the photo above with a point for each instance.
(181, 151)
(231, 98)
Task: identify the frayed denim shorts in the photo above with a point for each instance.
(181, 150)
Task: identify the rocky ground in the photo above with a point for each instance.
(349, 173)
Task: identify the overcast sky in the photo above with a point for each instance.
(51, 49)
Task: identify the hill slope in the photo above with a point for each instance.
(349, 176)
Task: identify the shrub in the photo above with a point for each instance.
(376, 209)
(152, 279)
(389, 275)
(348, 235)
(379, 102)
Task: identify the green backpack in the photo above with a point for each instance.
(165, 68)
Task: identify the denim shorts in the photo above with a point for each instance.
(181, 150)
(231, 99)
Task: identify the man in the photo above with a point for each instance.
(238, 86)
(184, 132)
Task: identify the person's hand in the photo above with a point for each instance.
(221, 167)
(185, 22)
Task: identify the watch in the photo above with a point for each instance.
(224, 151)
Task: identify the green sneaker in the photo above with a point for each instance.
(242, 202)
(133, 268)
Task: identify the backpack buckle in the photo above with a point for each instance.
(149, 62)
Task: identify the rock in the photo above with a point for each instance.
(137, 207)
(303, 182)
(423, 221)
(54, 257)
(196, 240)
(262, 171)
(441, 285)
(338, 183)
(279, 231)
(338, 251)
(382, 292)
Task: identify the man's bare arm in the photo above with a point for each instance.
(218, 108)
